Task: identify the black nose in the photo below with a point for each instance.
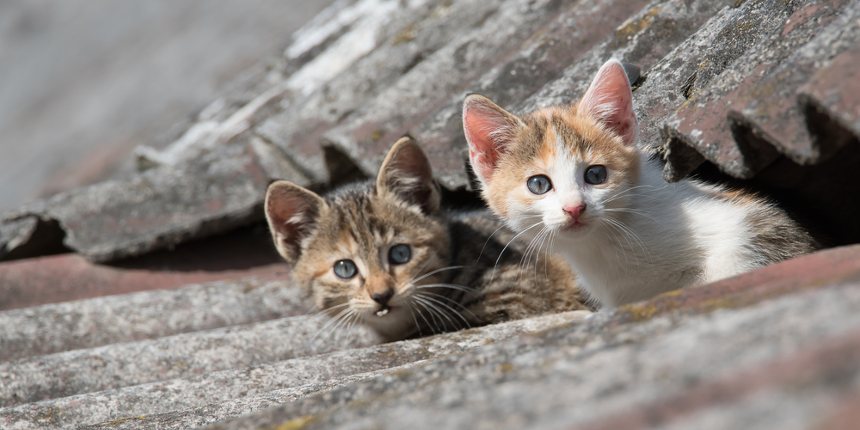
(382, 298)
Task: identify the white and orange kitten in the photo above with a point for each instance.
(574, 174)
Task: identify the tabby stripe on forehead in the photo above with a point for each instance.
(532, 140)
(568, 135)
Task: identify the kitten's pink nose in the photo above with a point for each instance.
(575, 211)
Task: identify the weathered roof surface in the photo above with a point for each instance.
(711, 357)
(159, 208)
(762, 90)
(58, 278)
(367, 133)
(754, 102)
(299, 126)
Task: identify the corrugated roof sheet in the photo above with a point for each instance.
(764, 91)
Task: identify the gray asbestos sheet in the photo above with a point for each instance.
(249, 380)
(558, 44)
(179, 356)
(298, 127)
(645, 40)
(102, 321)
(223, 189)
(365, 135)
(323, 50)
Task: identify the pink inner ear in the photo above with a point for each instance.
(610, 100)
(282, 206)
(288, 209)
(479, 126)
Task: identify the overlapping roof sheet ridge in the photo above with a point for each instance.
(748, 115)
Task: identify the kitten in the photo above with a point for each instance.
(576, 170)
(385, 254)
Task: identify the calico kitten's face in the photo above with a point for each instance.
(565, 168)
(369, 253)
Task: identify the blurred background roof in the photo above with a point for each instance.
(84, 82)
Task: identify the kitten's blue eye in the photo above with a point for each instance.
(345, 269)
(539, 184)
(399, 254)
(595, 175)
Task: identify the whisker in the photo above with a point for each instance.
(635, 212)
(442, 312)
(456, 303)
(462, 288)
(544, 241)
(488, 241)
(614, 236)
(427, 297)
(529, 250)
(635, 237)
(435, 271)
(548, 251)
(421, 314)
(418, 326)
(434, 310)
(508, 244)
(627, 191)
(328, 324)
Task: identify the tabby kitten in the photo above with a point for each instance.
(627, 234)
(384, 254)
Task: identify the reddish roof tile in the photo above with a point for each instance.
(818, 270)
(835, 92)
(710, 122)
(66, 277)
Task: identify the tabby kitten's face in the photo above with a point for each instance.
(367, 252)
(565, 168)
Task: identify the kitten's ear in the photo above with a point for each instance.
(610, 101)
(406, 174)
(490, 131)
(292, 213)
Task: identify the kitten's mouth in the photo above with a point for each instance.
(574, 225)
(383, 312)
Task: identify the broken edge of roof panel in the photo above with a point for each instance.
(159, 208)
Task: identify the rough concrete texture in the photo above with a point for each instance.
(182, 355)
(556, 45)
(249, 379)
(398, 51)
(784, 123)
(101, 321)
(319, 53)
(308, 42)
(365, 135)
(215, 412)
(696, 366)
(647, 39)
(832, 92)
(745, 93)
(298, 127)
(161, 207)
